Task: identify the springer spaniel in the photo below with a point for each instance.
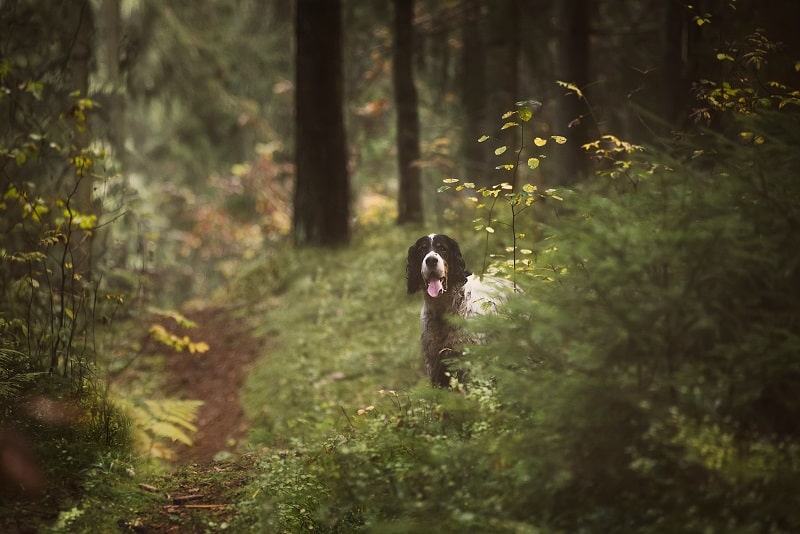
(436, 266)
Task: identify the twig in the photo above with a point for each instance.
(180, 499)
(175, 507)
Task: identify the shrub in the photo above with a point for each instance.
(654, 352)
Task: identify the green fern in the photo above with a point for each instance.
(12, 382)
(164, 421)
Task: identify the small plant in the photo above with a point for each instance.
(516, 198)
(177, 343)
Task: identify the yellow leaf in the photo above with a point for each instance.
(572, 87)
(500, 150)
(533, 163)
(200, 347)
(538, 141)
(509, 125)
(483, 138)
(560, 139)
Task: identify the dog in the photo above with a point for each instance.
(436, 267)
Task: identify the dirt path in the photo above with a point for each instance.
(215, 377)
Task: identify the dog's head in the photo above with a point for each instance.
(435, 264)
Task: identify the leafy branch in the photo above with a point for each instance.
(517, 199)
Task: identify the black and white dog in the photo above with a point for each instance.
(435, 266)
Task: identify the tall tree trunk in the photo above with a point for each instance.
(502, 71)
(112, 34)
(676, 87)
(572, 115)
(405, 94)
(77, 80)
(473, 92)
(322, 191)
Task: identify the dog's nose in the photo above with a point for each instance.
(431, 261)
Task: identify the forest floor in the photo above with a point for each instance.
(289, 358)
(214, 377)
(202, 485)
(200, 493)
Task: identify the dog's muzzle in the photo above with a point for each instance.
(434, 274)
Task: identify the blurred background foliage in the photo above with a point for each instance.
(645, 379)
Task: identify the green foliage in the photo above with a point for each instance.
(15, 378)
(158, 423)
(177, 343)
(642, 381)
(517, 199)
(54, 192)
(653, 353)
(323, 352)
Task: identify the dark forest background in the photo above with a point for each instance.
(632, 165)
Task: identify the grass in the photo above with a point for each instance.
(346, 330)
(342, 333)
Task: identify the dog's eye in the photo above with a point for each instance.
(441, 248)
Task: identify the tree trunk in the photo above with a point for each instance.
(473, 92)
(676, 85)
(572, 114)
(77, 80)
(502, 72)
(405, 94)
(322, 191)
(112, 36)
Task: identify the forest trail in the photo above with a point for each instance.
(215, 377)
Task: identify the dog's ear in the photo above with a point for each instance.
(459, 272)
(414, 270)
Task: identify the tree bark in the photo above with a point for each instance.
(572, 114)
(322, 191)
(677, 69)
(112, 33)
(502, 72)
(473, 92)
(405, 94)
(77, 79)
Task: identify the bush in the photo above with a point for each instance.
(641, 382)
(653, 354)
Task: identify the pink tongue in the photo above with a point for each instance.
(434, 288)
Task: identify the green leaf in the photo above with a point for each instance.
(36, 89)
(525, 114)
(533, 163)
(500, 150)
